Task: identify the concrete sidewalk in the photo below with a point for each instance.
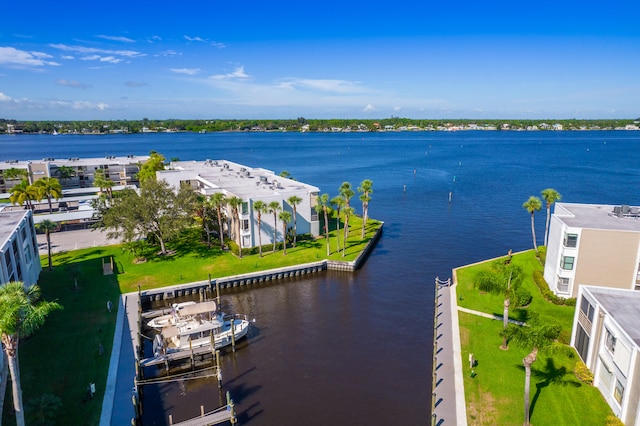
(73, 240)
(448, 389)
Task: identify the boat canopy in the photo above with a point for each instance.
(198, 308)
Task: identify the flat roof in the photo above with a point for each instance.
(240, 180)
(595, 216)
(622, 305)
(9, 221)
(76, 161)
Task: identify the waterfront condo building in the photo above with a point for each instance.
(591, 244)
(74, 172)
(607, 338)
(250, 185)
(19, 259)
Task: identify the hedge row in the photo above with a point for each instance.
(548, 295)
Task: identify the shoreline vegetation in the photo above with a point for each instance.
(301, 124)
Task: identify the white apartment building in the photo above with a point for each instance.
(19, 259)
(250, 184)
(607, 338)
(121, 170)
(593, 244)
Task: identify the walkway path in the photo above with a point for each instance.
(448, 392)
(490, 316)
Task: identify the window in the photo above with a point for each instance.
(566, 262)
(570, 240)
(582, 343)
(610, 341)
(563, 284)
(586, 308)
(618, 392)
(245, 208)
(245, 224)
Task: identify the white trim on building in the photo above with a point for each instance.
(19, 259)
(607, 338)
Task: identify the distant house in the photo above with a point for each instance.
(592, 244)
(607, 338)
(19, 259)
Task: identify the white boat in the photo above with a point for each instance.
(177, 315)
(201, 330)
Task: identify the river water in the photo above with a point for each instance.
(343, 348)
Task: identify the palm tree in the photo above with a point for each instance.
(65, 172)
(532, 205)
(23, 193)
(50, 188)
(235, 203)
(260, 207)
(346, 193)
(294, 200)
(366, 188)
(323, 205)
(338, 203)
(47, 226)
(285, 217)
(536, 335)
(274, 207)
(219, 199)
(501, 279)
(348, 211)
(21, 313)
(14, 174)
(102, 182)
(549, 195)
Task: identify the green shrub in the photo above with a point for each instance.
(547, 294)
(583, 373)
(542, 254)
(614, 421)
(522, 297)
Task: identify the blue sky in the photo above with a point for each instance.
(333, 59)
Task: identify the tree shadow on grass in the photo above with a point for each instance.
(549, 374)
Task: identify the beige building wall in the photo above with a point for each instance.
(607, 258)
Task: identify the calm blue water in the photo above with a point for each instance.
(356, 348)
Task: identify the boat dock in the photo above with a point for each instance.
(220, 415)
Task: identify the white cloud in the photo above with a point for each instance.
(96, 51)
(15, 57)
(110, 59)
(213, 43)
(5, 98)
(369, 108)
(71, 83)
(117, 38)
(67, 57)
(168, 53)
(136, 83)
(79, 105)
(337, 86)
(397, 108)
(238, 73)
(186, 71)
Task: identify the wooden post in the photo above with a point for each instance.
(202, 411)
(218, 369)
(230, 405)
(233, 332)
(170, 419)
(218, 293)
(191, 349)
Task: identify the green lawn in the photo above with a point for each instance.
(62, 357)
(494, 396)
